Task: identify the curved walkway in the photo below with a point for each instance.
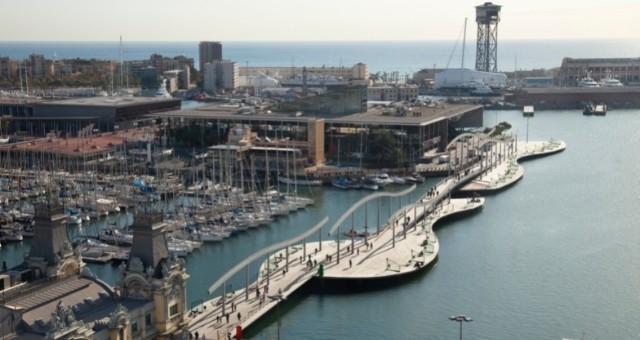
(508, 172)
(403, 245)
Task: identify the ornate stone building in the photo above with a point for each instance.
(52, 295)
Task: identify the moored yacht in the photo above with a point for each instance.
(588, 81)
(610, 81)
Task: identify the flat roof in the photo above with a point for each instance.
(108, 101)
(91, 144)
(418, 116)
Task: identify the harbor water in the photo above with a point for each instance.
(551, 257)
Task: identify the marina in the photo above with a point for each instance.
(336, 261)
(439, 280)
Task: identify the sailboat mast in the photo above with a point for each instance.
(464, 42)
(20, 75)
(26, 79)
(121, 66)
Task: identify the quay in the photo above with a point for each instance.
(405, 245)
(576, 97)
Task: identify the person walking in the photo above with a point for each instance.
(239, 316)
(349, 263)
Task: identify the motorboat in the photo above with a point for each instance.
(298, 180)
(597, 110)
(610, 81)
(369, 184)
(73, 220)
(414, 178)
(341, 183)
(11, 235)
(162, 90)
(384, 178)
(115, 236)
(588, 82)
(398, 180)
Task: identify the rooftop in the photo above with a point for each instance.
(88, 145)
(382, 115)
(107, 101)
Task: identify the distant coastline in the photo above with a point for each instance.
(405, 57)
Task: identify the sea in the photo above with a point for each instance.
(404, 57)
(554, 256)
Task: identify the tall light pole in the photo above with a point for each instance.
(278, 298)
(460, 319)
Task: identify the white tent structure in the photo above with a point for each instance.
(466, 79)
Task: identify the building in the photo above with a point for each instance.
(228, 73)
(149, 78)
(538, 82)
(209, 51)
(39, 117)
(210, 78)
(38, 65)
(185, 78)
(627, 70)
(53, 295)
(164, 64)
(316, 124)
(393, 92)
(8, 67)
(359, 72)
(468, 80)
(221, 75)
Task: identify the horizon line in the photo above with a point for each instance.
(313, 41)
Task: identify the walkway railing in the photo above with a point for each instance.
(265, 251)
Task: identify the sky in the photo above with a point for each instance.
(301, 20)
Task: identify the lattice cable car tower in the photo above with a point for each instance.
(487, 17)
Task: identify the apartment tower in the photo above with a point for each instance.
(210, 51)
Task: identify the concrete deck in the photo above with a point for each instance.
(412, 252)
(508, 172)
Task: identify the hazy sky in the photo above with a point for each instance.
(254, 20)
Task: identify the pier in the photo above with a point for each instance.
(404, 245)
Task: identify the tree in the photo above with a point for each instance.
(498, 129)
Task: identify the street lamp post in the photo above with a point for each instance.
(278, 298)
(527, 141)
(460, 319)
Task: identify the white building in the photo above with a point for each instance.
(461, 78)
(221, 76)
(359, 71)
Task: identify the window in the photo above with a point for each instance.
(173, 310)
(134, 327)
(147, 319)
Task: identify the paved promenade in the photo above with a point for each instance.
(385, 256)
(405, 244)
(506, 173)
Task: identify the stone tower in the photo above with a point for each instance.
(51, 254)
(154, 274)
